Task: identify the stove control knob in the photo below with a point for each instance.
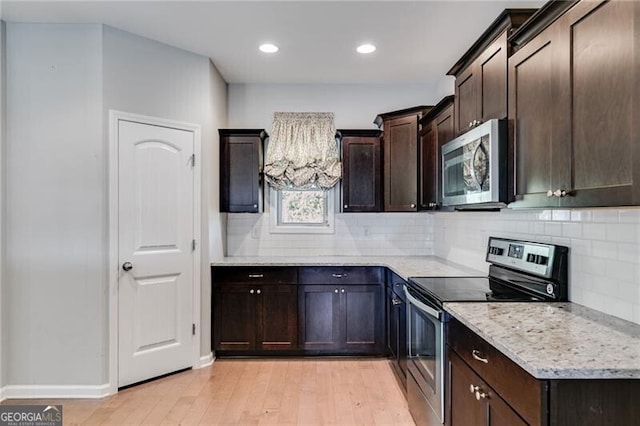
(550, 288)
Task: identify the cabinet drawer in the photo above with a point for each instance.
(520, 389)
(338, 275)
(254, 275)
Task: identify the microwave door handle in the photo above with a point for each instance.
(427, 309)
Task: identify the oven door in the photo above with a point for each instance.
(425, 359)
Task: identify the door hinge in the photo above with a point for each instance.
(193, 245)
(193, 329)
(193, 160)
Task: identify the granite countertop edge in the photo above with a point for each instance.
(404, 266)
(538, 362)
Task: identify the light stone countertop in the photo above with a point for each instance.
(556, 340)
(404, 266)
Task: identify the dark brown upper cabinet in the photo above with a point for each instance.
(400, 147)
(481, 73)
(241, 170)
(361, 170)
(436, 129)
(574, 92)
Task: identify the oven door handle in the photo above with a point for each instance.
(427, 309)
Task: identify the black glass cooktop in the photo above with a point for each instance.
(466, 289)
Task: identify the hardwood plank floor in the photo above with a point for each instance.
(309, 391)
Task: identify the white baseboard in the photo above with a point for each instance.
(54, 391)
(206, 360)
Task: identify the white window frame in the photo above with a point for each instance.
(278, 228)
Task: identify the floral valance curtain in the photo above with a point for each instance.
(302, 151)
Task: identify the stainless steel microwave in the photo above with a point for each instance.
(475, 168)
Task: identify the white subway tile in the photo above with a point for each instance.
(605, 249)
(561, 215)
(625, 233)
(572, 230)
(580, 215)
(594, 231)
(605, 215)
(553, 229)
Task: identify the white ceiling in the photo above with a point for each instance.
(418, 41)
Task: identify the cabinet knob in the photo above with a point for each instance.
(346, 206)
(470, 124)
(255, 206)
(258, 291)
(342, 291)
(127, 266)
(473, 388)
(251, 291)
(335, 291)
(481, 395)
(413, 206)
(560, 193)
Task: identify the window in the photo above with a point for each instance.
(304, 211)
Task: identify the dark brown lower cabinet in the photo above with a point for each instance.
(473, 402)
(397, 326)
(255, 317)
(484, 387)
(340, 319)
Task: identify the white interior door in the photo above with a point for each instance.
(155, 215)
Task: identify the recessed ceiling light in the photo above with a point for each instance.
(268, 48)
(366, 48)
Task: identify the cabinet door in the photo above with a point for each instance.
(433, 135)
(492, 80)
(318, 317)
(472, 402)
(600, 44)
(534, 98)
(360, 310)
(400, 164)
(465, 409)
(467, 99)
(428, 153)
(362, 174)
(276, 317)
(240, 160)
(397, 333)
(234, 317)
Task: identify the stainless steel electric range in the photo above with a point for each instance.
(518, 271)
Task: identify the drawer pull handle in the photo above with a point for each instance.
(478, 356)
(338, 275)
(256, 275)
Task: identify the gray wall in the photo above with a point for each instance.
(55, 267)
(142, 76)
(62, 80)
(355, 106)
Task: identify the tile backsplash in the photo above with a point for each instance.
(604, 244)
(356, 234)
(604, 254)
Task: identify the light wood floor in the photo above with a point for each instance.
(316, 391)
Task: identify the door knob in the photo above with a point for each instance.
(127, 266)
